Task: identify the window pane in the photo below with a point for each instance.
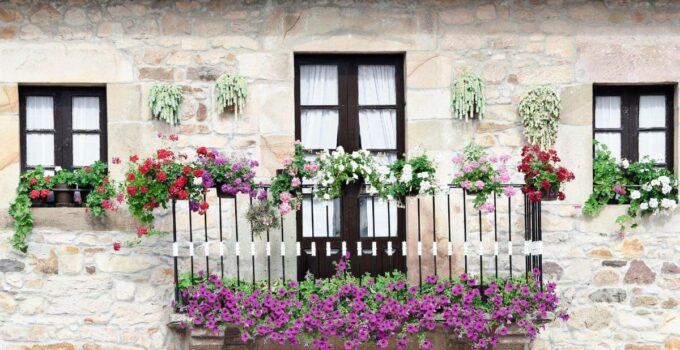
(85, 149)
(39, 113)
(319, 128)
(377, 216)
(85, 113)
(39, 150)
(652, 111)
(378, 128)
(326, 214)
(612, 140)
(608, 112)
(653, 144)
(377, 85)
(318, 85)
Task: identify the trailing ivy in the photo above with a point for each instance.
(540, 111)
(467, 97)
(231, 90)
(164, 102)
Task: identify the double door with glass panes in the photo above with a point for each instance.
(357, 102)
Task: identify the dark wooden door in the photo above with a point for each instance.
(357, 102)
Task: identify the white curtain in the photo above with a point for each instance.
(39, 116)
(652, 111)
(85, 113)
(612, 140)
(608, 112)
(318, 85)
(377, 85)
(652, 144)
(39, 113)
(85, 149)
(378, 128)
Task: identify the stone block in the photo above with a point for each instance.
(7, 303)
(9, 98)
(428, 104)
(639, 273)
(124, 102)
(592, 318)
(457, 16)
(608, 295)
(427, 70)
(126, 264)
(577, 105)
(631, 248)
(672, 343)
(606, 277)
(268, 66)
(124, 290)
(156, 73)
(541, 75)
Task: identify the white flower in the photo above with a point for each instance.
(655, 182)
(653, 203)
(383, 170)
(624, 163)
(635, 194)
(667, 203)
(644, 206)
(423, 175)
(665, 189)
(647, 187)
(665, 180)
(407, 169)
(326, 196)
(425, 186)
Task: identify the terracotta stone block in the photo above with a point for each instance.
(639, 273)
(156, 73)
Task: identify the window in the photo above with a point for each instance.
(354, 101)
(635, 121)
(62, 126)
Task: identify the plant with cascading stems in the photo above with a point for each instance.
(540, 112)
(231, 90)
(165, 101)
(467, 97)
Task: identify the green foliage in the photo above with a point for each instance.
(262, 216)
(467, 97)
(410, 177)
(64, 176)
(480, 174)
(165, 101)
(649, 190)
(20, 208)
(540, 110)
(231, 90)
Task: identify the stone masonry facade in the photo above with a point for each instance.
(71, 291)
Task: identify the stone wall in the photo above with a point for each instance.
(623, 292)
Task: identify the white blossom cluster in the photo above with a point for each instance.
(651, 201)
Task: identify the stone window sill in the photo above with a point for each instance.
(77, 219)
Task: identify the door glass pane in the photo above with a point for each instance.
(318, 85)
(377, 218)
(377, 85)
(653, 145)
(39, 113)
(39, 149)
(85, 149)
(85, 113)
(322, 219)
(608, 112)
(612, 140)
(319, 128)
(652, 111)
(378, 128)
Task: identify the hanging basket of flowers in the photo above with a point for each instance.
(543, 176)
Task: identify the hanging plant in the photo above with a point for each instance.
(231, 92)
(467, 97)
(540, 112)
(165, 101)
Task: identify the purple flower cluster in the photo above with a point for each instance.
(381, 310)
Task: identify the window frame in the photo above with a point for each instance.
(63, 121)
(630, 115)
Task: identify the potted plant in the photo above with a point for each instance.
(230, 175)
(231, 92)
(467, 97)
(540, 112)
(286, 186)
(481, 175)
(37, 186)
(544, 178)
(165, 101)
(408, 177)
(263, 215)
(63, 180)
(34, 190)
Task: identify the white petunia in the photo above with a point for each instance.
(665, 189)
(644, 206)
(653, 203)
(624, 163)
(664, 180)
(635, 194)
(655, 182)
(647, 187)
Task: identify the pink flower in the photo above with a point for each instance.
(287, 161)
(509, 191)
(488, 207)
(115, 160)
(504, 157)
(295, 182)
(467, 168)
(466, 185)
(284, 208)
(457, 158)
(285, 197)
(297, 142)
(479, 184)
(119, 197)
(619, 190)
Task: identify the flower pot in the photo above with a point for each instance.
(38, 202)
(222, 194)
(63, 195)
(471, 191)
(549, 195)
(80, 196)
(230, 109)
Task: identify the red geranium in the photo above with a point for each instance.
(34, 194)
(542, 173)
(141, 231)
(198, 172)
(131, 190)
(161, 176)
(134, 158)
(32, 181)
(116, 246)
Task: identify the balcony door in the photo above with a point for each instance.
(357, 102)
